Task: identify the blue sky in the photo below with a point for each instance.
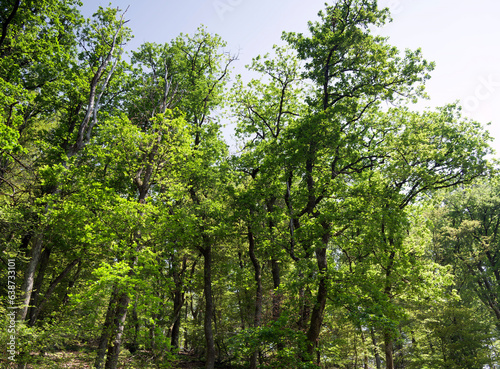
(461, 36)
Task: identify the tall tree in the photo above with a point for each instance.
(99, 57)
(350, 72)
(201, 68)
(467, 238)
(264, 111)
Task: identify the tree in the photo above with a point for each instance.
(200, 69)
(36, 42)
(50, 86)
(466, 237)
(350, 71)
(264, 111)
(102, 56)
(343, 139)
(309, 246)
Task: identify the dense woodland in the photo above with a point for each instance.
(345, 231)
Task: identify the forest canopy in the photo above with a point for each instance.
(348, 230)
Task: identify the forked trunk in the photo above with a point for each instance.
(115, 342)
(106, 331)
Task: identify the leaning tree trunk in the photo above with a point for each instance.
(40, 276)
(117, 325)
(37, 309)
(29, 278)
(116, 339)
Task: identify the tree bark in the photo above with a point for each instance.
(72, 282)
(50, 290)
(8, 20)
(319, 306)
(40, 276)
(178, 303)
(388, 343)
(305, 297)
(209, 305)
(29, 278)
(365, 353)
(135, 319)
(258, 292)
(86, 126)
(388, 335)
(116, 339)
(378, 362)
(106, 330)
(275, 266)
(275, 269)
(119, 325)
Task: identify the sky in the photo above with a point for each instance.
(461, 36)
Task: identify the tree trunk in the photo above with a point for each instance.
(275, 269)
(378, 361)
(178, 303)
(176, 326)
(116, 339)
(119, 324)
(135, 319)
(40, 276)
(36, 310)
(388, 335)
(152, 333)
(319, 306)
(388, 343)
(72, 282)
(258, 293)
(29, 279)
(275, 266)
(305, 297)
(106, 330)
(209, 306)
(317, 313)
(241, 307)
(365, 352)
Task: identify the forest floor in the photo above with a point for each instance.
(83, 359)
